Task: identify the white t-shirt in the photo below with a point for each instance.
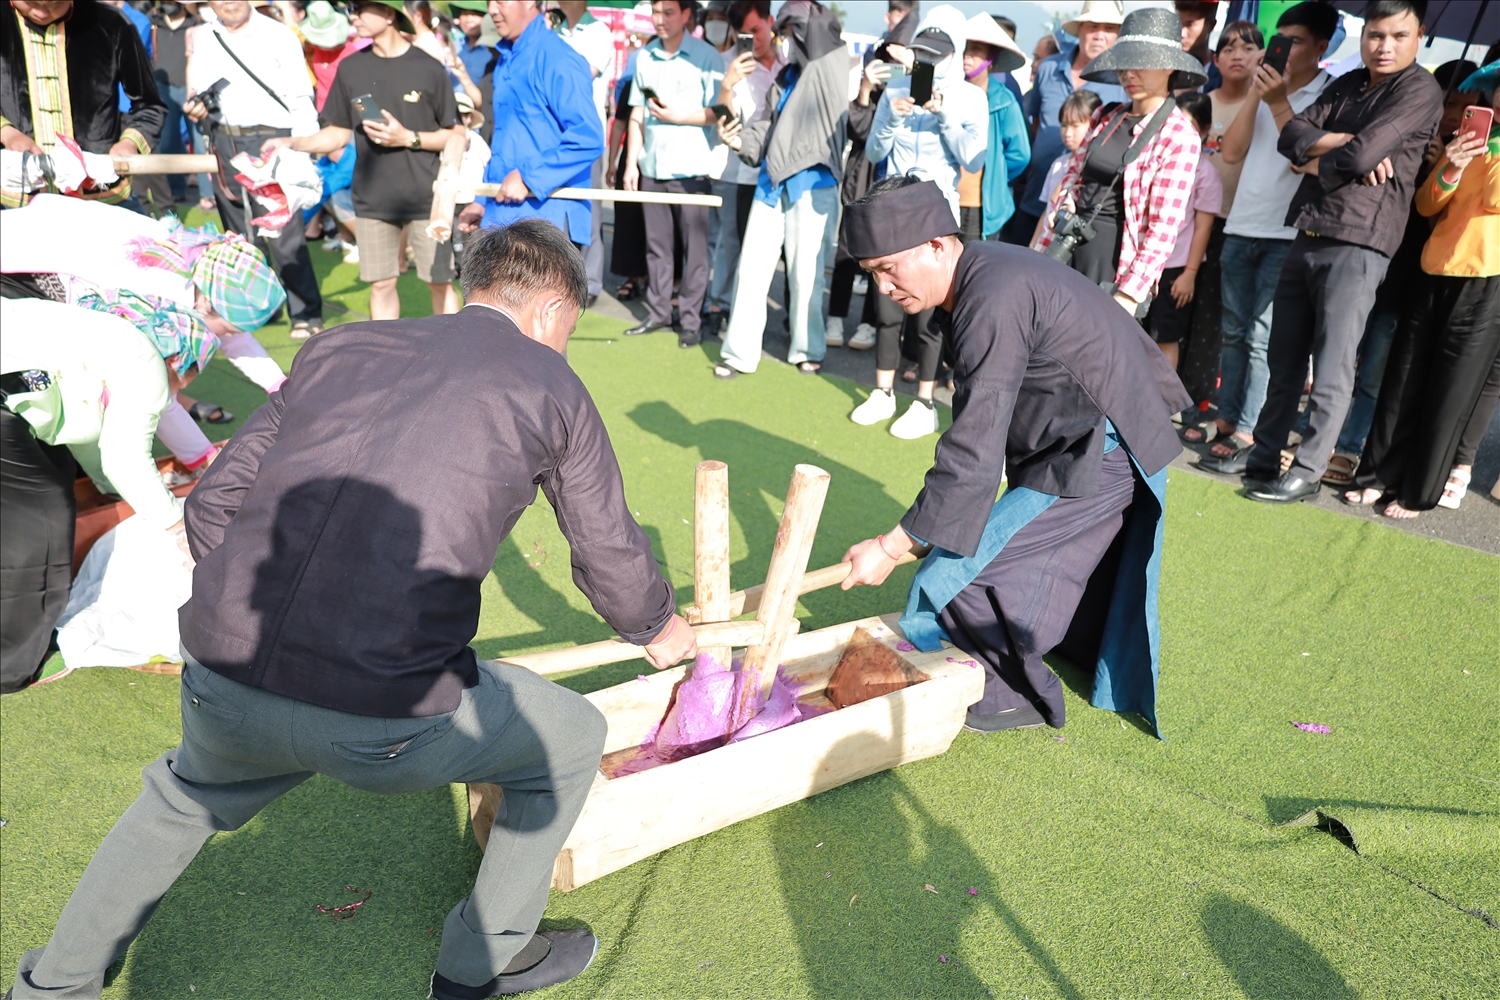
(1267, 183)
(1055, 175)
(749, 98)
(592, 40)
(273, 52)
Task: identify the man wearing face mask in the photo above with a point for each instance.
(798, 142)
(288, 673)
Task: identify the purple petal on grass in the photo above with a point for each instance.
(973, 891)
(640, 677)
(906, 647)
(1312, 727)
(942, 958)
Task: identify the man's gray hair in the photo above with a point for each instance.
(518, 262)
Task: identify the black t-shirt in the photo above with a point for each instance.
(1099, 169)
(393, 184)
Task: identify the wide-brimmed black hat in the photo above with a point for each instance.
(1150, 38)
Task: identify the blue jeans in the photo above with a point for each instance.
(1250, 267)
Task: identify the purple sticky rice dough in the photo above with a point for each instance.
(701, 716)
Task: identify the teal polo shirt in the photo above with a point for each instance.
(687, 78)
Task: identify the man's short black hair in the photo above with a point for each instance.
(879, 188)
(1208, 10)
(740, 9)
(1377, 9)
(1006, 23)
(903, 5)
(1320, 19)
(518, 262)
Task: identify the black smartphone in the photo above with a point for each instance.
(367, 109)
(722, 112)
(743, 43)
(650, 95)
(921, 82)
(1277, 50)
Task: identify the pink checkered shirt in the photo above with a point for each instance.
(1158, 187)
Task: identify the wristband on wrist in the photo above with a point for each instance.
(880, 541)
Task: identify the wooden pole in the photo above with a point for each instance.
(794, 539)
(610, 194)
(747, 601)
(167, 163)
(711, 549)
(445, 188)
(594, 654)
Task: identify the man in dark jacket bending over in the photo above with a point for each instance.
(335, 595)
(1061, 391)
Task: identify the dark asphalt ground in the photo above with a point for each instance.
(1476, 524)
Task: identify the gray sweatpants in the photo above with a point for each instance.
(243, 747)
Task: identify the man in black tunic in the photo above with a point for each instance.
(1059, 388)
(335, 595)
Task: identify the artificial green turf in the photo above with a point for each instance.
(1106, 863)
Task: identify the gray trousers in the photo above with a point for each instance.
(1325, 293)
(243, 747)
(593, 254)
(662, 223)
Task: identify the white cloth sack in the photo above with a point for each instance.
(123, 609)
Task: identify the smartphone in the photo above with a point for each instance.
(743, 43)
(1477, 122)
(1277, 50)
(921, 83)
(722, 112)
(367, 109)
(650, 95)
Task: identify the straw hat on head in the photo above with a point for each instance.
(324, 26)
(1099, 12)
(1150, 38)
(983, 28)
(466, 107)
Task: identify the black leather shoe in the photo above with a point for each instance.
(1287, 489)
(647, 327)
(1025, 717)
(686, 339)
(563, 955)
(1227, 465)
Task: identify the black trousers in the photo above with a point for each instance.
(1198, 366)
(1441, 367)
(663, 223)
(1323, 299)
(1022, 604)
(896, 334)
(37, 511)
(289, 253)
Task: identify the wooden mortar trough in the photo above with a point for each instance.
(634, 816)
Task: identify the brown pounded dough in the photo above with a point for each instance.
(868, 670)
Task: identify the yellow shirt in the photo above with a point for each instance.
(1466, 241)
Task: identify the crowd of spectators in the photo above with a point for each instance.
(1318, 256)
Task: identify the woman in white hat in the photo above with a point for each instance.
(1116, 212)
(985, 202)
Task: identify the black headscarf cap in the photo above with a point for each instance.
(897, 220)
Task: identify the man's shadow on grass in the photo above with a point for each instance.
(1267, 959)
(878, 843)
(760, 467)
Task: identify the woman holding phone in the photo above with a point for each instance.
(1449, 394)
(1131, 179)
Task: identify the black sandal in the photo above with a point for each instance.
(627, 290)
(809, 367)
(725, 372)
(205, 413)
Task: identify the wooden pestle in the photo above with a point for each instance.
(711, 549)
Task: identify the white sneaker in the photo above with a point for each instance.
(863, 339)
(880, 406)
(833, 332)
(352, 257)
(861, 285)
(919, 420)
